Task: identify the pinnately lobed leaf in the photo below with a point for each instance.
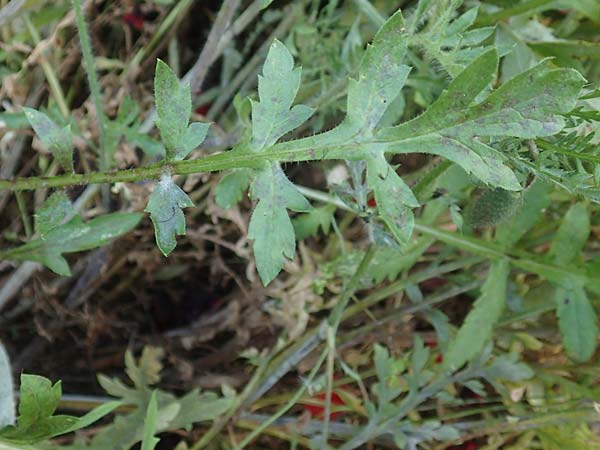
(58, 140)
(174, 106)
(478, 326)
(381, 77)
(37, 422)
(270, 226)
(165, 207)
(527, 106)
(277, 88)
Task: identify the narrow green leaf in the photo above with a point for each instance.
(231, 187)
(571, 235)
(270, 225)
(477, 329)
(165, 207)
(74, 236)
(149, 441)
(93, 416)
(58, 140)
(577, 321)
(7, 400)
(55, 211)
(277, 88)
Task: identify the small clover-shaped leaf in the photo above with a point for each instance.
(174, 106)
(270, 225)
(58, 140)
(277, 88)
(165, 208)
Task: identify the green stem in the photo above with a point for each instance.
(292, 401)
(24, 215)
(333, 323)
(90, 69)
(222, 161)
(53, 82)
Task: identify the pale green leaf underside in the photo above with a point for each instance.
(577, 321)
(165, 207)
(58, 140)
(270, 226)
(478, 326)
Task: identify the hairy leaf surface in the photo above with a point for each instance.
(58, 140)
(74, 236)
(457, 126)
(270, 225)
(57, 210)
(174, 106)
(277, 88)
